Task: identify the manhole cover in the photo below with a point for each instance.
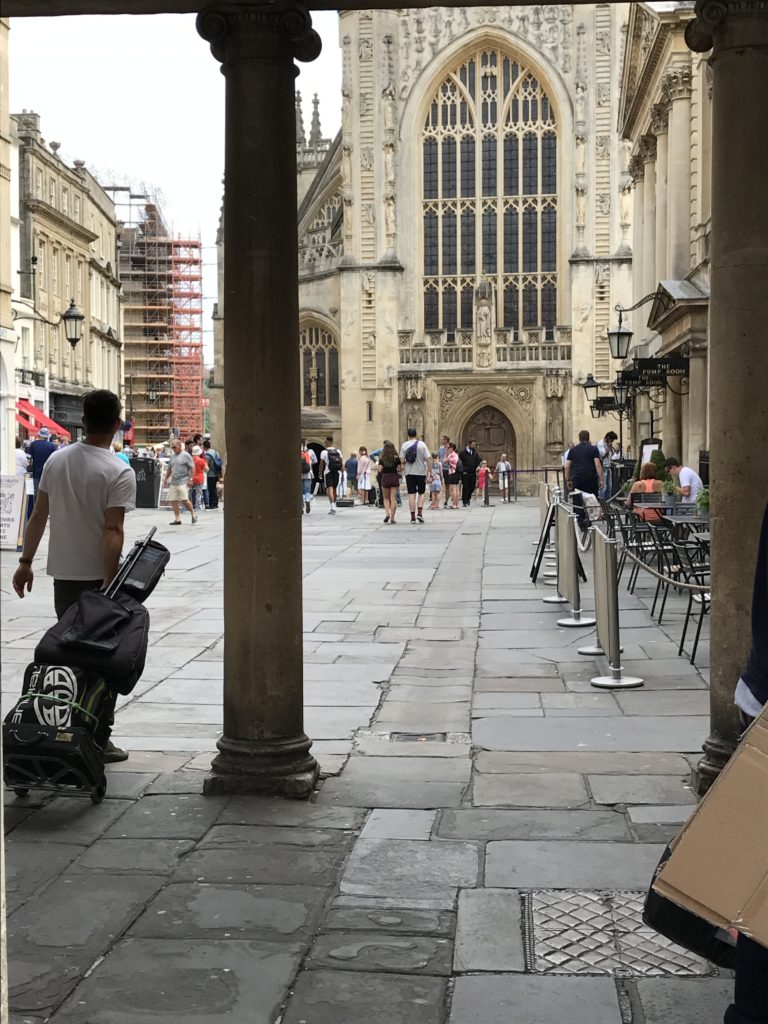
(413, 737)
(586, 932)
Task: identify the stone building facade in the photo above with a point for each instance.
(468, 232)
(68, 247)
(665, 116)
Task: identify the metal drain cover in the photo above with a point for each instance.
(588, 932)
(414, 737)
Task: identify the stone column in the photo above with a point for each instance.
(636, 172)
(677, 88)
(659, 126)
(737, 32)
(697, 404)
(648, 154)
(264, 748)
(671, 433)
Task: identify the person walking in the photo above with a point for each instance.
(435, 483)
(331, 466)
(605, 448)
(454, 473)
(117, 448)
(688, 483)
(503, 474)
(351, 470)
(417, 459)
(85, 491)
(40, 451)
(213, 472)
(308, 463)
(583, 466)
(198, 477)
(389, 480)
(469, 458)
(22, 459)
(363, 474)
(442, 454)
(178, 475)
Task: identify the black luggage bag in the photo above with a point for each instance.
(54, 736)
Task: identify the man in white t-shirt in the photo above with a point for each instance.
(689, 483)
(416, 459)
(86, 492)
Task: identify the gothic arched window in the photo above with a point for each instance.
(489, 195)
(319, 367)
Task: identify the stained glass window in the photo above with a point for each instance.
(319, 367)
(490, 203)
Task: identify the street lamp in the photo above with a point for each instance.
(591, 387)
(620, 392)
(619, 339)
(73, 320)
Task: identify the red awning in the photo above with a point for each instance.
(27, 424)
(41, 420)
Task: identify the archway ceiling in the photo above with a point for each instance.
(48, 8)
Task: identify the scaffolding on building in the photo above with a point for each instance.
(161, 279)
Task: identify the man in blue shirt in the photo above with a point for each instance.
(40, 451)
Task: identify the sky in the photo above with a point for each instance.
(141, 101)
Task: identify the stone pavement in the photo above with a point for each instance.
(476, 853)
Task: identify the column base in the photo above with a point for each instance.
(717, 753)
(272, 768)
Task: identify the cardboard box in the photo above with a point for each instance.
(719, 863)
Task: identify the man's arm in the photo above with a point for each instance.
(599, 468)
(23, 577)
(567, 470)
(112, 542)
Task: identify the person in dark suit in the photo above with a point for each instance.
(469, 460)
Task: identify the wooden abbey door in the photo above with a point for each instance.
(494, 435)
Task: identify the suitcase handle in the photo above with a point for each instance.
(26, 742)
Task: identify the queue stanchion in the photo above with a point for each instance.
(568, 568)
(607, 609)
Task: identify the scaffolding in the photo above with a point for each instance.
(161, 279)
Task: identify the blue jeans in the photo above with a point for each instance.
(306, 489)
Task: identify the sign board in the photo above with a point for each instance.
(657, 371)
(647, 448)
(12, 502)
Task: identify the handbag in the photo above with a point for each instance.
(685, 928)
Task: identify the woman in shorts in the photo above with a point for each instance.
(454, 474)
(363, 474)
(389, 480)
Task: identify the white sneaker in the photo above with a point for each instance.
(332, 512)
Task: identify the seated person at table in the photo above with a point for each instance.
(647, 484)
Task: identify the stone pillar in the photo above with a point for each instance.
(737, 33)
(671, 434)
(677, 88)
(648, 154)
(697, 404)
(659, 126)
(636, 172)
(264, 748)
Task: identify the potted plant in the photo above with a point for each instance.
(702, 502)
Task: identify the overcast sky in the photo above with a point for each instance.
(141, 101)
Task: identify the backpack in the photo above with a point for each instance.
(334, 460)
(306, 463)
(411, 453)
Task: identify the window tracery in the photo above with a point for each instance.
(489, 195)
(319, 367)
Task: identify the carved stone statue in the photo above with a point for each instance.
(366, 49)
(346, 165)
(389, 164)
(366, 158)
(581, 102)
(484, 325)
(390, 220)
(390, 108)
(581, 207)
(369, 282)
(554, 422)
(415, 418)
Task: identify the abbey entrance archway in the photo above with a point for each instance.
(494, 435)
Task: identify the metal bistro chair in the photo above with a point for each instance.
(693, 571)
(666, 563)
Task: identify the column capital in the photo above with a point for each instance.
(660, 118)
(677, 83)
(727, 24)
(647, 148)
(239, 33)
(636, 169)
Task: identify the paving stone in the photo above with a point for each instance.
(247, 837)
(395, 921)
(521, 999)
(664, 815)
(145, 981)
(639, 789)
(502, 684)
(215, 911)
(583, 762)
(532, 824)
(172, 783)
(372, 951)
(665, 702)
(489, 662)
(390, 867)
(506, 700)
(51, 920)
(380, 745)
(399, 716)
(41, 983)
(252, 810)
(148, 761)
(570, 865)
(128, 785)
(367, 792)
(678, 1001)
(680, 733)
(575, 702)
(489, 931)
(558, 789)
(429, 694)
(386, 823)
(267, 864)
(69, 820)
(129, 856)
(346, 997)
(29, 867)
(183, 816)
(428, 769)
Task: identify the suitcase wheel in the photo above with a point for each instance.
(20, 792)
(97, 794)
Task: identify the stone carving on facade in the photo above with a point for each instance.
(603, 147)
(346, 166)
(602, 274)
(484, 324)
(647, 148)
(369, 214)
(348, 222)
(414, 417)
(636, 168)
(581, 155)
(520, 393)
(414, 387)
(449, 396)
(366, 158)
(678, 82)
(365, 104)
(603, 41)
(581, 104)
(555, 422)
(366, 49)
(625, 215)
(390, 222)
(389, 164)
(581, 220)
(660, 118)
(554, 385)
(369, 341)
(548, 28)
(603, 94)
(389, 103)
(368, 283)
(346, 116)
(604, 203)
(644, 29)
